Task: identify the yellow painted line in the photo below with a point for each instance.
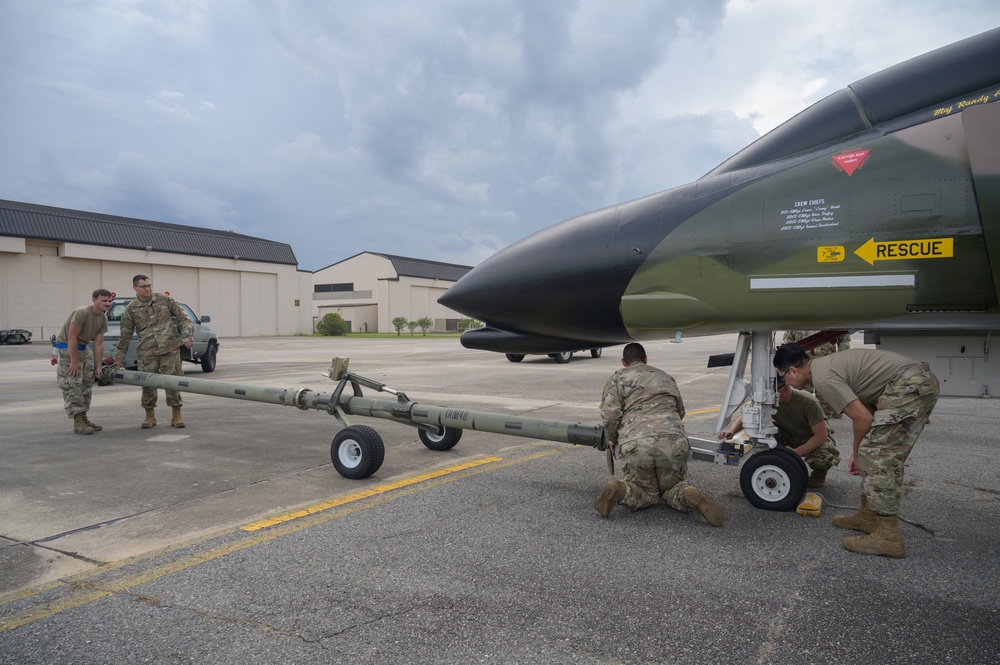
(698, 415)
(364, 494)
(81, 591)
(701, 411)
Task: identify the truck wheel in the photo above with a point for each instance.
(595, 353)
(208, 360)
(357, 452)
(515, 357)
(446, 440)
(563, 358)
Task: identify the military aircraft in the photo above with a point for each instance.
(875, 209)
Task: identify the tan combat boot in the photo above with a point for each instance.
(707, 508)
(817, 478)
(175, 419)
(80, 425)
(150, 420)
(863, 520)
(886, 540)
(93, 426)
(612, 492)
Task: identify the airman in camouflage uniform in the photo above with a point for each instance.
(802, 428)
(842, 344)
(889, 397)
(642, 411)
(76, 369)
(158, 351)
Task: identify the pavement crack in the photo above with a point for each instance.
(209, 617)
(261, 626)
(925, 529)
(72, 555)
(90, 527)
(778, 625)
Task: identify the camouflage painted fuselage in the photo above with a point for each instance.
(877, 208)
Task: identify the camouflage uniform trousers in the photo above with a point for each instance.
(77, 389)
(900, 415)
(168, 363)
(823, 458)
(654, 467)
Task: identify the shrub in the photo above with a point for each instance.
(332, 324)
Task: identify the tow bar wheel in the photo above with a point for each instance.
(774, 479)
(446, 440)
(357, 452)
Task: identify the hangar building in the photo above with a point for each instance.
(369, 290)
(52, 259)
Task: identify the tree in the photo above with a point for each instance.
(332, 324)
(399, 323)
(469, 324)
(424, 323)
(412, 325)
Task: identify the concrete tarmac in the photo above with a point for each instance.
(234, 540)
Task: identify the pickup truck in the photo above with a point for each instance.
(15, 336)
(206, 343)
(562, 357)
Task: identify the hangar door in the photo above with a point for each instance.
(259, 296)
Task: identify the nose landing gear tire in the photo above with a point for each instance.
(774, 479)
(357, 452)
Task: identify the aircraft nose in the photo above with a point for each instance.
(559, 282)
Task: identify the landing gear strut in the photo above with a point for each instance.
(773, 478)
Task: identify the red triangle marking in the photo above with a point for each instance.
(849, 162)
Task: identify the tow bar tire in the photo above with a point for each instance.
(357, 452)
(774, 479)
(446, 440)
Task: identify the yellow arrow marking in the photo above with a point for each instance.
(894, 250)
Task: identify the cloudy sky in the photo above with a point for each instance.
(441, 130)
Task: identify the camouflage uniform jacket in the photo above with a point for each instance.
(153, 320)
(842, 343)
(640, 402)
